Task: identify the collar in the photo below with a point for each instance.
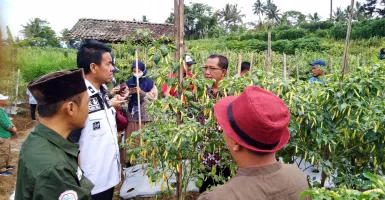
(56, 139)
(92, 90)
(259, 171)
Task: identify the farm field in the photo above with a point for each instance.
(337, 126)
(337, 123)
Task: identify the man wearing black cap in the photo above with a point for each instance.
(317, 71)
(48, 167)
(98, 142)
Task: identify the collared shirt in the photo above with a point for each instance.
(273, 182)
(99, 150)
(31, 99)
(5, 124)
(315, 79)
(48, 168)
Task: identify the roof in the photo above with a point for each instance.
(115, 30)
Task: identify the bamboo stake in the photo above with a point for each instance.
(345, 66)
(269, 51)
(284, 67)
(251, 61)
(17, 88)
(239, 64)
(137, 88)
(296, 64)
(330, 65)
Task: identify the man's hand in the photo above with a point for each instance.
(117, 101)
(13, 130)
(114, 91)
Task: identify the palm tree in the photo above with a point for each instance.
(258, 9)
(272, 12)
(314, 18)
(359, 13)
(34, 28)
(339, 15)
(230, 15)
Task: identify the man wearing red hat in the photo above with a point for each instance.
(253, 142)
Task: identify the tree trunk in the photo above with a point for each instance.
(331, 10)
(345, 66)
(239, 64)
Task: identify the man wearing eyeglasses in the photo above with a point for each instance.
(216, 69)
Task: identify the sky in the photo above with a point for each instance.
(64, 14)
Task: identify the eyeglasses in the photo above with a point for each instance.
(210, 69)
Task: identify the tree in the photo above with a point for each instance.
(359, 13)
(170, 18)
(10, 40)
(369, 8)
(339, 15)
(39, 33)
(70, 42)
(272, 12)
(230, 15)
(314, 17)
(144, 18)
(259, 9)
(200, 21)
(293, 18)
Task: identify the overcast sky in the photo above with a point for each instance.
(64, 14)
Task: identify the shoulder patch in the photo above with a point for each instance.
(91, 89)
(69, 195)
(94, 104)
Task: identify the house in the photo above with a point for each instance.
(114, 31)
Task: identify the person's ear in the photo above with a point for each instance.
(224, 71)
(70, 108)
(93, 67)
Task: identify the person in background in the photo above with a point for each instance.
(7, 129)
(99, 150)
(48, 167)
(147, 92)
(215, 68)
(32, 105)
(318, 71)
(245, 68)
(382, 54)
(166, 91)
(253, 142)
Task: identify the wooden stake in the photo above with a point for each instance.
(330, 65)
(137, 88)
(284, 67)
(239, 64)
(296, 65)
(345, 66)
(269, 51)
(251, 61)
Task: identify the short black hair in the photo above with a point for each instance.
(223, 62)
(91, 51)
(51, 110)
(245, 66)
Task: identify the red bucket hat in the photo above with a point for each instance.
(257, 119)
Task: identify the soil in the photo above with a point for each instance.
(24, 125)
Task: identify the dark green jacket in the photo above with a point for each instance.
(48, 168)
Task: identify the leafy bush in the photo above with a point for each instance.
(323, 25)
(291, 34)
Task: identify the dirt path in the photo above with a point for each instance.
(24, 126)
